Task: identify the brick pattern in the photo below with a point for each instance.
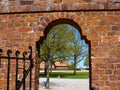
(26, 2)
(17, 31)
(50, 5)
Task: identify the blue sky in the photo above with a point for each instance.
(84, 46)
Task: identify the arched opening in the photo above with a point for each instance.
(73, 24)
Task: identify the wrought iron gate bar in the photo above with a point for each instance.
(16, 80)
(8, 74)
(31, 66)
(22, 81)
(19, 83)
(24, 54)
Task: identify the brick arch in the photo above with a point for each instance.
(76, 19)
(57, 22)
(75, 25)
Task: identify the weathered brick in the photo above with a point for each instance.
(2, 44)
(9, 44)
(81, 1)
(108, 71)
(104, 88)
(31, 19)
(3, 34)
(99, 83)
(111, 60)
(103, 77)
(116, 49)
(1, 75)
(95, 77)
(25, 29)
(15, 34)
(84, 27)
(103, 22)
(114, 88)
(113, 83)
(118, 77)
(102, 28)
(43, 23)
(115, 27)
(94, 43)
(66, 6)
(113, 54)
(57, 1)
(118, 65)
(117, 13)
(98, 60)
(67, 1)
(98, 71)
(113, 77)
(57, 7)
(111, 38)
(95, 66)
(3, 82)
(25, 44)
(26, 2)
(41, 29)
(103, 43)
(105, 66)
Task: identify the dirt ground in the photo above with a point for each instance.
(65, 84)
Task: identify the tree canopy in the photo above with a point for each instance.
(56, 44)
(78, 50)
(55, 47)
(63, 43)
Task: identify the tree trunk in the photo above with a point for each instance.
(50, 67)
(48, 81)
(45, 70)
(74, 70)
(74, 65)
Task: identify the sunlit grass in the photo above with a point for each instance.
(70, 75)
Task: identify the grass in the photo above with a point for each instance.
(69, 75)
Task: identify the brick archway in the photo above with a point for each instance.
(99, 28)
(57, 22)
(75, 25)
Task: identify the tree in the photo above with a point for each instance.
(86, 61)
(62, 43)
(55, 46)
(78, 51)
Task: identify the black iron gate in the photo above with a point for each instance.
(27, 65)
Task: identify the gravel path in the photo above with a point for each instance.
(65, 84)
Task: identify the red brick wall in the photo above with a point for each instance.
(18, 30)
(102, 28)
(52, 5)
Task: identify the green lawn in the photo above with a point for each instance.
(70, 75)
